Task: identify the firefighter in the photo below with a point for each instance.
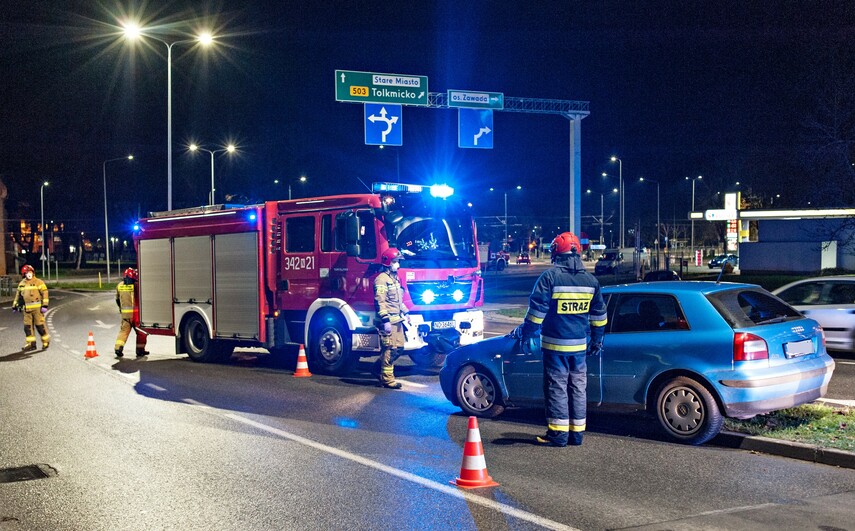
(32, 300)
(568, 310)
(391, 316)
(125, 296)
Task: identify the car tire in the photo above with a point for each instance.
(329, 346)
(500, 265)
(198, 343)
(478, 393)
(687, 411)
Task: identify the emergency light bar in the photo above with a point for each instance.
(442, 191)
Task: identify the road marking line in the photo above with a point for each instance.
(401, 474)
(845, 362)
(76, 353)
(411, 384)
(156, 387)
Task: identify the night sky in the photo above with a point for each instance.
(676, 89)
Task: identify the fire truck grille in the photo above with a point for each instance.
(436, 293)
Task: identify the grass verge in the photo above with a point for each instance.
(816, 424)
(516, 313)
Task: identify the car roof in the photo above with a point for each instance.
(836, 278)
(678, 286)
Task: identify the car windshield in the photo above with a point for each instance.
(439, 237)
(609, 256)
(744, 308)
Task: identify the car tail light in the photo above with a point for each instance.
(747, 347)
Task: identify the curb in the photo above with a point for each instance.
(789, 449)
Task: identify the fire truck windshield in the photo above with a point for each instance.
(444, 241)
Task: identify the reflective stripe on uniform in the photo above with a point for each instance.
(598, 319)
(575, 425)
(534, 316)
(572, 289)
(573, 296)
(32, 305)
(564, 345)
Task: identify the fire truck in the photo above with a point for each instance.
(301, 271)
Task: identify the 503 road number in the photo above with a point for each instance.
(292, 263)
(359, 91)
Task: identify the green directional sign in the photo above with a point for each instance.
(373, 87)
(476, 99)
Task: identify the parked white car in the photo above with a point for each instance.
(831, 302)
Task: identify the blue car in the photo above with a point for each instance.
(689, 352)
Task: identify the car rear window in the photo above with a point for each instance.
(744, 308)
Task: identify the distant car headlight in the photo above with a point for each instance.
(457, 295)
(428, 296)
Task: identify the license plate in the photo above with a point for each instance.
(798, 348)
(442, 325)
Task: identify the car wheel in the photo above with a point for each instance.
(500, 265)
(329, 347)
(687, 411)
(477, 393)
(198, 343)
(425, 357)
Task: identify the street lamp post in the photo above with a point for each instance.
(133, 31)
(42, 194)
(620, 178)
(302, 180)
(228, 149)
(657, 218)
(693, 209)
(506, 214)
(106, 227)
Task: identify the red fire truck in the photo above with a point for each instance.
(302, 271)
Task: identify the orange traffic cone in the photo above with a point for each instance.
(302, 364)
(473, 471)
(90, 347)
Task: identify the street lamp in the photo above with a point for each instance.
(506, 214)
(106, 227)
(302, 180)
(228, 149)
(620, 177)
(693, 209)
(642, 179)
(42, 194)
(602, 213)
(133, 32)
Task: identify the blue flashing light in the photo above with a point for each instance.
(397, 188)
(442, 191)
(136, 227)
(457, 295)
(345, 422)
(428, 296)
(252, 216)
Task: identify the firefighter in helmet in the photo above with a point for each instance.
(391, 315)
(566, 306)
(32, 300)
(125, 297)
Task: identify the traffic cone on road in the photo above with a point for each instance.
(302, 364)
(473, 471)
(90, 347)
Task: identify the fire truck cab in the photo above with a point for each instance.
(302, 271)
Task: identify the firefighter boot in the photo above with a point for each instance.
(45, 343)
(29, 346)
(141, 353)
(119, 352)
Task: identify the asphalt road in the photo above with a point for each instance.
(167, 443)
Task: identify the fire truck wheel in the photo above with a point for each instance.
(329, 348)
(425, 357)
(198, 343)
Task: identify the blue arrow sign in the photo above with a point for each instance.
(475, 128)
(383, 125)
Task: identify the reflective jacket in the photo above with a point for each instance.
(32, 294)
(566, 302)
(125, 300)
(389, 298)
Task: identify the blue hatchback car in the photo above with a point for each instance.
(689, 352)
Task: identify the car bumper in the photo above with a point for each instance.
(746, 393)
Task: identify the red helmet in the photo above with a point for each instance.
(565, 243)
(27, 269)
(131, 273)
(390, 255)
